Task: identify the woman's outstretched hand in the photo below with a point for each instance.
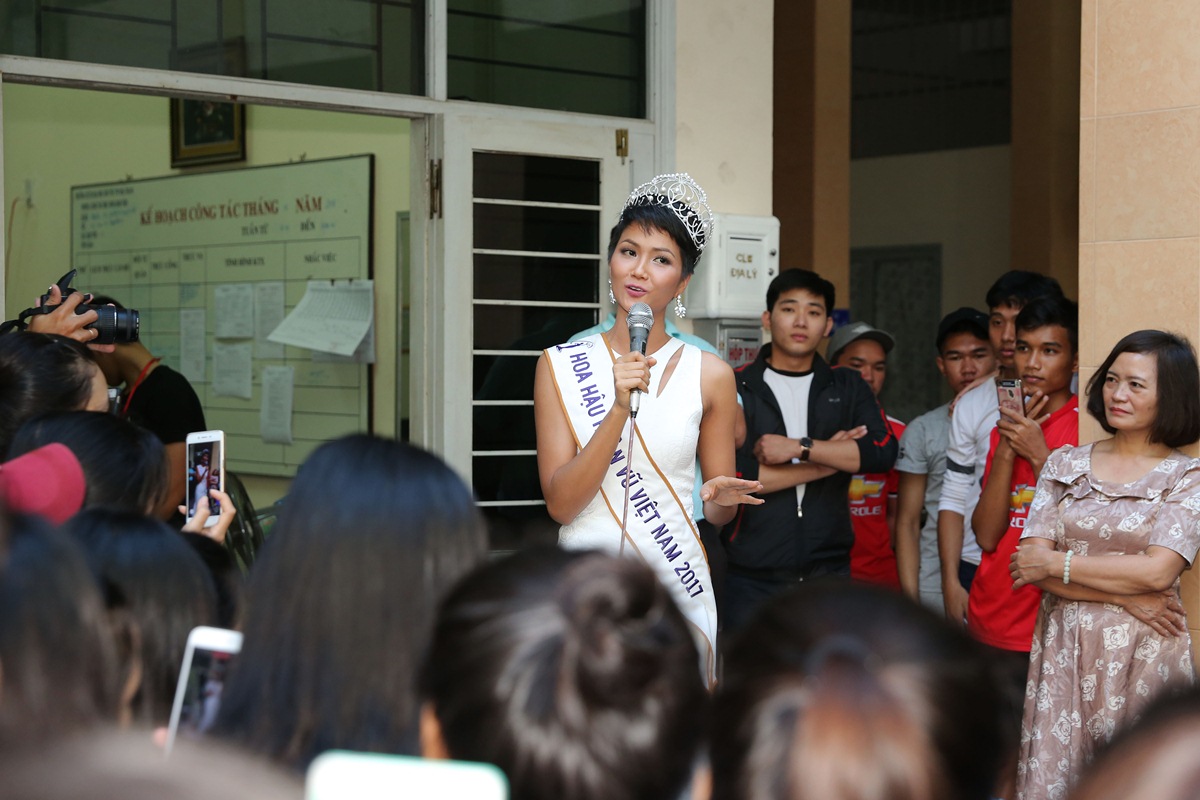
(726, 491)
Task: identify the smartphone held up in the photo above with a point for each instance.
(206, 661)
(205, 471)
(1010, 395)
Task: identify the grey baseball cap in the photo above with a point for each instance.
(852, 332)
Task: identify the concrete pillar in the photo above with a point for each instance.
(811, 194)
(1139, 186)
(1045, 140)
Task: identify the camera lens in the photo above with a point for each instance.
(115, 325)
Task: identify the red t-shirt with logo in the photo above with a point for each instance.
(997, 615)
(872, 558)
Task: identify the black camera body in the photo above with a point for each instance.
(114, 326)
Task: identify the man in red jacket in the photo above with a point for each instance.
(873, 495)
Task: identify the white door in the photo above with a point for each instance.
(526, 215)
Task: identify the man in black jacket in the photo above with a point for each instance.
(809, 428)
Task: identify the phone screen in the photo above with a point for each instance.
(335, 775)
(204, 473)
(1010, 396)
(202, 692)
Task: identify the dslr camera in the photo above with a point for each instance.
(114, 326)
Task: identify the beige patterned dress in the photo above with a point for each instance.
(1093, 666)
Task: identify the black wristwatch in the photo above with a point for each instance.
(806, 448)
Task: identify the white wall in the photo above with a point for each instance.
(723, 85)
(956, 198)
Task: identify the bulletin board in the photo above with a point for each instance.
(246, 243)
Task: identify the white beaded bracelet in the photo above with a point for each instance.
(1067, 567)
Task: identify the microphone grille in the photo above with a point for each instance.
(640, 316)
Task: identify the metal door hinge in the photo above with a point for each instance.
(623, 143)
(435, 189)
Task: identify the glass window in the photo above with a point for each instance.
(353, 44)
(570, 55)
(930, 76)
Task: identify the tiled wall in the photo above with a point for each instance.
(1139, 183)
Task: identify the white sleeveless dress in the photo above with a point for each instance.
(660, 472)
(670, 426)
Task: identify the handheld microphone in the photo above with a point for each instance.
(640, 320)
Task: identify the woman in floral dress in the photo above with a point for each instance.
(1111, 527)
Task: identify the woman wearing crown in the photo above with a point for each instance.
(622, 480)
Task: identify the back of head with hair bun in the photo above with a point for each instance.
(573, 672)
(614, 621)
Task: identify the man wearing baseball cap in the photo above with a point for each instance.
(860, 347)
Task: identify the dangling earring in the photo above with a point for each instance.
(680, 309)
(612, 298)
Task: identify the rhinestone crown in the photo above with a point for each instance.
(684, 197)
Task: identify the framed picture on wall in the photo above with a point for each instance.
(207, 132)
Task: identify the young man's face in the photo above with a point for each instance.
(1002, 331)
(1045, 360)
(964, 358)
(866, 356)
(798, 322)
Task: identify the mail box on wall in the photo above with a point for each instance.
(732, 277)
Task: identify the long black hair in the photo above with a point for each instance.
(340, 601)
(59, 661)
(124, 466)
(40, 373)
(156, 582)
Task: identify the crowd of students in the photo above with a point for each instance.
(1062, 562)
(374, 621)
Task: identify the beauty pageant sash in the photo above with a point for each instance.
(659, 528)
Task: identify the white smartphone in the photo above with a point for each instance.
(337, 774)
(205, 470)
(206, 661)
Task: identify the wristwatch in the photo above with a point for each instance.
(805, 448)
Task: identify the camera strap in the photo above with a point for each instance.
(21, 322)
